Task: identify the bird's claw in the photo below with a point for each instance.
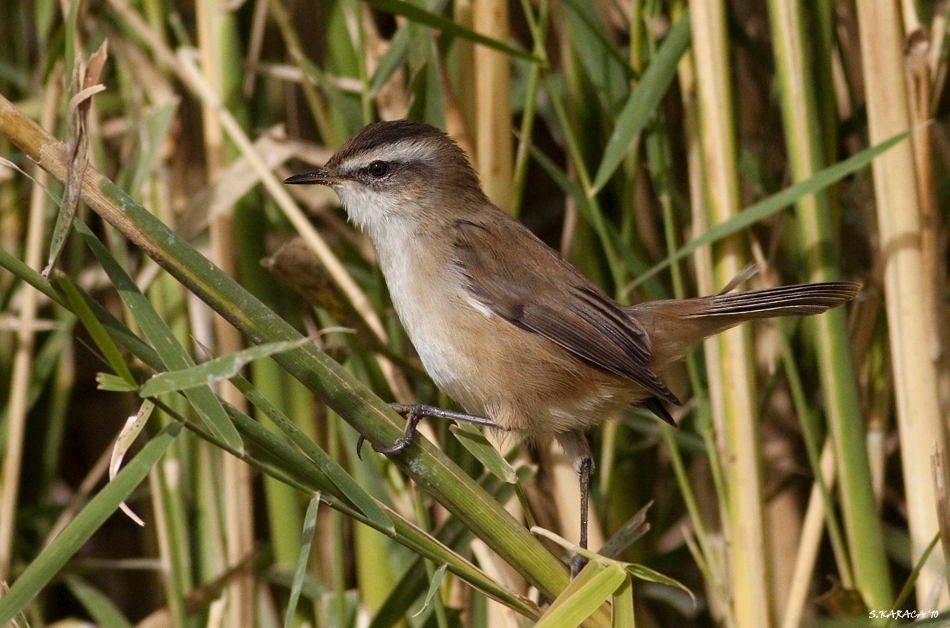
(412, 420)
(415, 413)
(359, 446)
(578, 563)
(401, 443)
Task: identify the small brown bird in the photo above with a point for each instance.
(504, 326)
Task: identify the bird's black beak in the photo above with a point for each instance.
(317, 177)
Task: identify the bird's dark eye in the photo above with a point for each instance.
(378, 169)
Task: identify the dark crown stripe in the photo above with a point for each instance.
(383, 134)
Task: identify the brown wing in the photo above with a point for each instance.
(551, 298)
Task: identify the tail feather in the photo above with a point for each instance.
(676, 326)
(800, 300)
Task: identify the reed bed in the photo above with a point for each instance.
(661, 147)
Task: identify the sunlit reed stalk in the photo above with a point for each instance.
(315, 69)
(23, 357)
(716, 578)
(898, 211)
(734, 410)
(839, 381)
(214, 26)
(493, 137)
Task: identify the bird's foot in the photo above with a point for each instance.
(413, 414)
(578, 562)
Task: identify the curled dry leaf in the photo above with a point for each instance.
(76, 146)
(133, 427)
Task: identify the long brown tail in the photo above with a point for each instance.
(675, 326)
(800, 300)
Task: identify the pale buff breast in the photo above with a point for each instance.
(521, 380)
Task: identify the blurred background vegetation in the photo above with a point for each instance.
(660, 146)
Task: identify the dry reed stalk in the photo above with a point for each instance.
(493, 138)
(905, 280)
(236, 478)
(813, 531)
(734, 398)
(23, 357)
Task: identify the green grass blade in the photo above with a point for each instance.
(447, 26)
(596, 583)
(649, 575)
(394, 57)
(99, 607)
(45, 567)
(214, 370)
(306, 540)
(622, 607)
(97, 330)
(777, 202)
(434, 585)
(643, 102)
(603, 64)
(172, 354)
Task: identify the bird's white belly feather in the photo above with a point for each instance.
(414, 286)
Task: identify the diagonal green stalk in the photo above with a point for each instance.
(300, 467)
(596, 214)
(369, 415)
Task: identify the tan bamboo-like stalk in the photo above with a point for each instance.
(735, 408)
(813, 530)
(465, 64)
(925, 62)
(493, 138)
(905, 280)
(23, 358)
(703, 266)
(238, 499)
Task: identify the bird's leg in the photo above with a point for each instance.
(578, 452)
(415, 413)
(423, 410)
(577, 561)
